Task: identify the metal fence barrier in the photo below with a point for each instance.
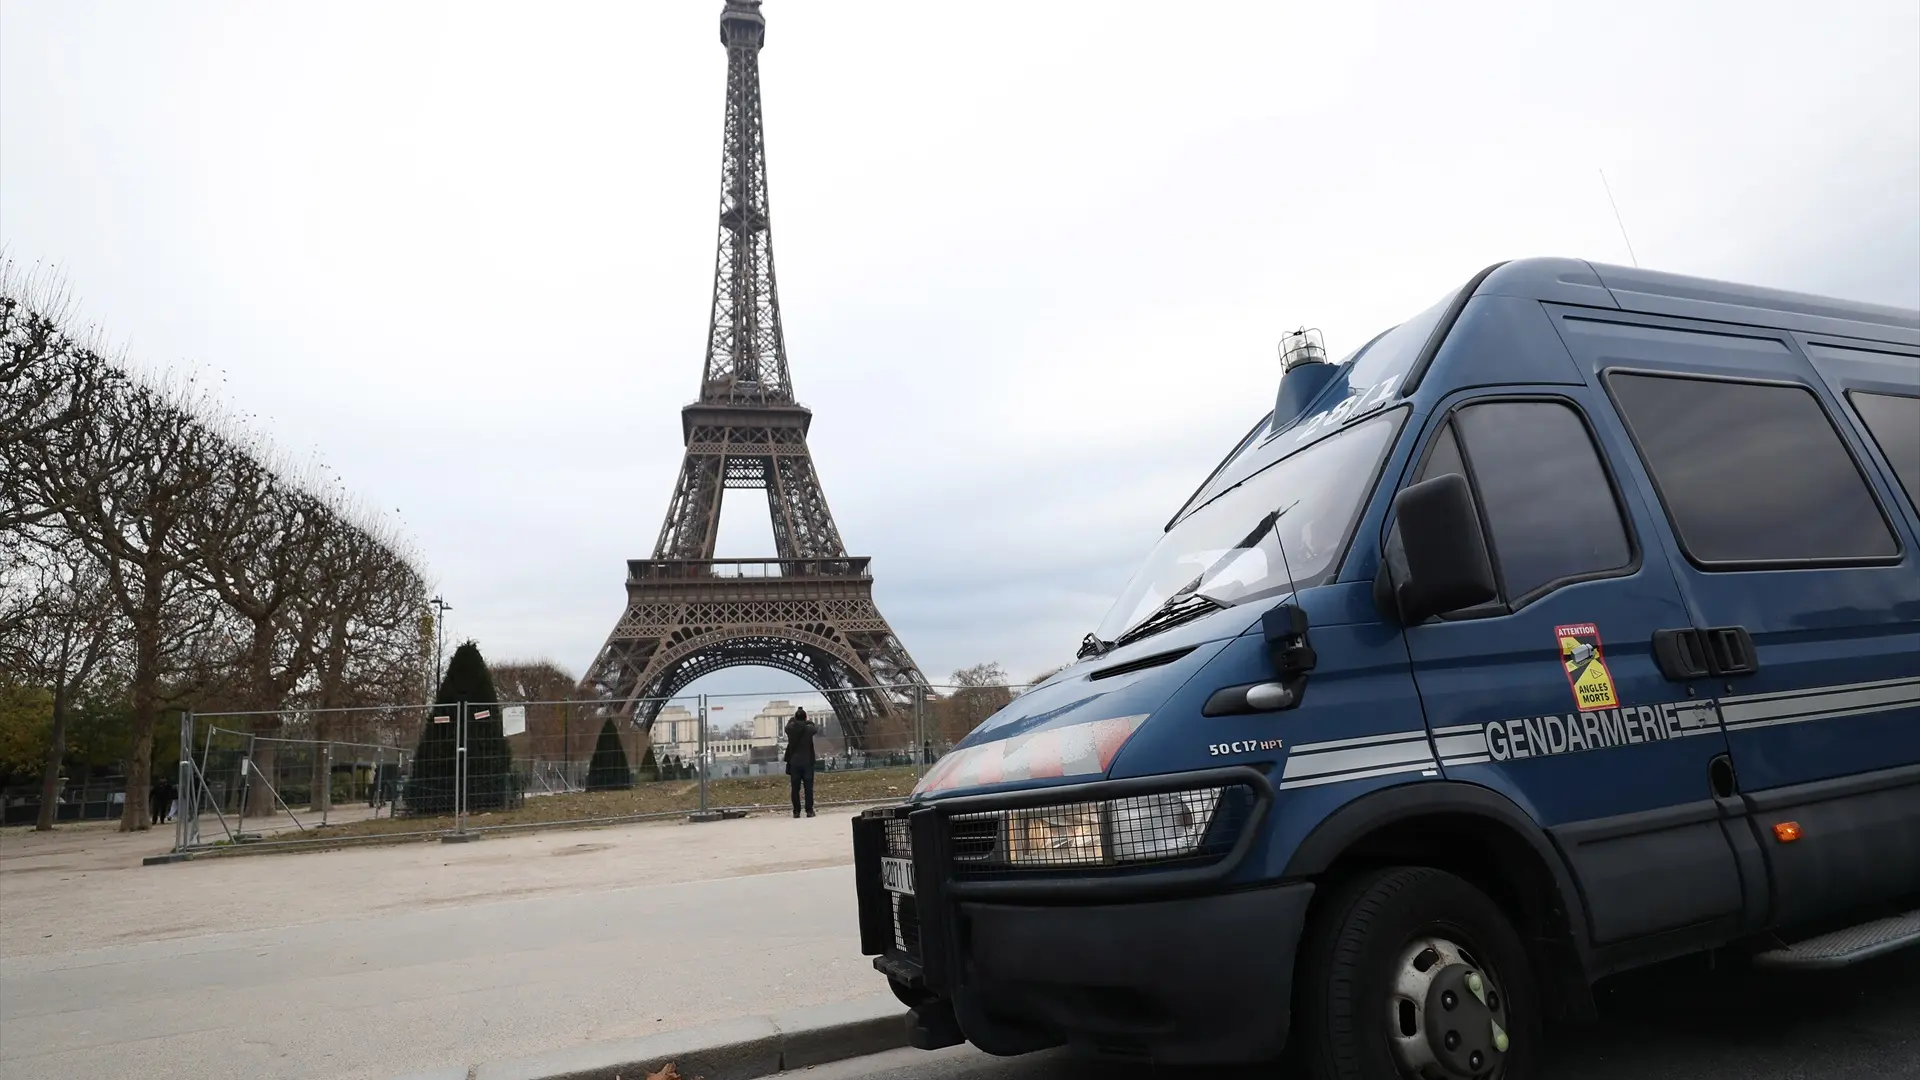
(305, 777)
(89, 798)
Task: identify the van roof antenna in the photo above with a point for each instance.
(1292, 589)
(1617, 219)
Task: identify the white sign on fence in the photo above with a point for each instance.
(513, 719)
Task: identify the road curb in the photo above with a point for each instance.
(744, 1049)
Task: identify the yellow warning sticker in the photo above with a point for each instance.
(1586, 666)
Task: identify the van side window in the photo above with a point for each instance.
(1444, 457)
(1894, 422)
(1751, 472)
(1550, 509)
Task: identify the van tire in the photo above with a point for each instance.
(1352, 968)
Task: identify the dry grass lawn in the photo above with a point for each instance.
(665, 797)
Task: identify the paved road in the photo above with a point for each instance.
(369, 964)
(380, 993)
(1677, 1022)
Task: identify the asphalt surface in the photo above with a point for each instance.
(1675, 1022)
(397, 989)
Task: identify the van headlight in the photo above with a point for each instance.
(1140, 828)
(1161, 826)
(1056, 836)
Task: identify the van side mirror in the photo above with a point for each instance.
(1448, 564)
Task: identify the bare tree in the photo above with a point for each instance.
(68, 636)
(127, 476)
(979, 692)
(258, 545)
(1045, 675)
(234, 584)
(363, 614)
(47, 381)
(553, 731)
(21, 597)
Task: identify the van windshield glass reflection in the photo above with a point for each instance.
(1229, 551)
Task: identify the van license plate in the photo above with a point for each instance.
(897, 875)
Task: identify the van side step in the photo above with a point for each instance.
(1846, 946)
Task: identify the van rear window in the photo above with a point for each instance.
(1751, 473)
(1894, 423)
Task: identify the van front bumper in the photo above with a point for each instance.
(1172, 964)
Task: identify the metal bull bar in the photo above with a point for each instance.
(914, 936)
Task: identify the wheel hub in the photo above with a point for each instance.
(1448, 1014)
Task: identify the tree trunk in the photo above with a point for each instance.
(264, 784)
(146, 686)
(261, 696)
(322, 798)
(56, 750)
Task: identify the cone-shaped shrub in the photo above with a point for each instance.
(608, 770)
(430, 790)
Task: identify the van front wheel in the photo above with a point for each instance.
(1413, 972)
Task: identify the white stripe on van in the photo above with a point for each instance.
(1818, 703)
(1416, 735)
(1356, 758)
(1388, 770)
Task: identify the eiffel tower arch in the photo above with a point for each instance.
(808, 610)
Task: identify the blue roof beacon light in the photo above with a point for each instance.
(1304, 373)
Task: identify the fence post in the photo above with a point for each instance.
(919, 727)
(206, 755)
(703, 753)
(184, 787)
(326, 780)
(246, 789)
(460, 773)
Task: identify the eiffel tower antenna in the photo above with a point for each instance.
(809, 610)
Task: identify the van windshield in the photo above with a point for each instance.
(1229, 550)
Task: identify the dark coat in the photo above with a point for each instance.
(800, 733)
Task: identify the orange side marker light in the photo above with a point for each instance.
(1786, 831)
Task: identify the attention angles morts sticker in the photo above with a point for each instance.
(1586, 664)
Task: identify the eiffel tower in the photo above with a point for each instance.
(808, 611)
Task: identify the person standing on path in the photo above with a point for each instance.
(800, 758)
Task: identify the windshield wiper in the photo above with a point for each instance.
(1187, 603)
(1178, 609)
(1093, 645)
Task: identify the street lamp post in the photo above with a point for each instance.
(440, 607)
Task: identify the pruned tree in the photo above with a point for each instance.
(68, 636)
(47, 382)
(489, 761)
(128, 476)
(257, 545)
(608, 771)
(234, 583)
(369, 608)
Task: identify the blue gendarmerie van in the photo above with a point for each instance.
(1571, 625)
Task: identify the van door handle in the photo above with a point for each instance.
(1681, 654)
(1730, 651)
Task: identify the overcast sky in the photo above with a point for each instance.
(1034, 256)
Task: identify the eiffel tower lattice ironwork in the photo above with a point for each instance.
(808, 611)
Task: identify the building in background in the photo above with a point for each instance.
(749, 747)
(771, 721)
(676, 733)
